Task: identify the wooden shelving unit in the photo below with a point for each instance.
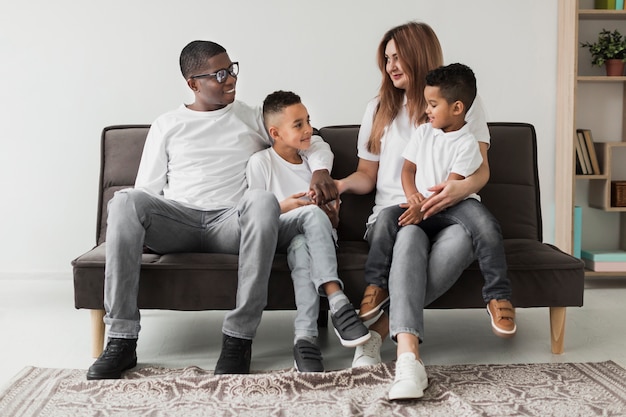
(576, 85)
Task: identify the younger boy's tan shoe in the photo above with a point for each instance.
(502, 315)
(373, 300)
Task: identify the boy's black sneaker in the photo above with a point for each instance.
(307, 357)
(118, 356)
(348, 327)
(235, 356)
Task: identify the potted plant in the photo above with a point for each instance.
(609, 50)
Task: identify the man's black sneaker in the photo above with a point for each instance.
(118, 356)
(307, 357)
(348, 327)
(235, 356)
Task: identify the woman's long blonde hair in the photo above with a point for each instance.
(419, 51)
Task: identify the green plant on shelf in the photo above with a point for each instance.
(610, 45)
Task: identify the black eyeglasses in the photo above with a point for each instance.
(222, 74)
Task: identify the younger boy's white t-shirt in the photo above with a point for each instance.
(436, 154)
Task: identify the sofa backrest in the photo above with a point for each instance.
(512, 193)
(120, 152)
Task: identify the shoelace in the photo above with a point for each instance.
(406, 368)
(113, 350)
(233, 350)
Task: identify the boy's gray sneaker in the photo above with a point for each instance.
(349, 328)
(307, 357)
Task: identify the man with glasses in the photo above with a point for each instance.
(189, 196)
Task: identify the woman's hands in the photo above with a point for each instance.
(445, 194)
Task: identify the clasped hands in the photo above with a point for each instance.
(323, 193)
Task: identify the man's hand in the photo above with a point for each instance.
(323, 189)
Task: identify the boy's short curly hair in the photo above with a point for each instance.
(277, 101)
(456, 82)
(194, 56)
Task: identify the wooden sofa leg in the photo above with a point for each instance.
(97, 332)
(557, 328)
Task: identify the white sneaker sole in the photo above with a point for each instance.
(374, 311)
(353, 343)
(407, 393)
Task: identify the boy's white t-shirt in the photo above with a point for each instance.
(269, 171)
(436, 154)
(389, 190)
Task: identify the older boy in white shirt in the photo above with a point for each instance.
(305, 230)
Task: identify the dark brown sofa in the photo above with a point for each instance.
(541, 274)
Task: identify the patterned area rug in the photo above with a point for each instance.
(554, 389)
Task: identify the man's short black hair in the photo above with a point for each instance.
(194, 56)
(278, 100)
(456, 82)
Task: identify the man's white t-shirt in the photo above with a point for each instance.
(389, 190)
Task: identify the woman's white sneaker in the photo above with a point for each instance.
(411, 379)
(368, 353)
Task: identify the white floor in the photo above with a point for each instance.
(40, 327)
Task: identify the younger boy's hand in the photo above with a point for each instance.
(294, 201)
(323, 188)
(413, 213)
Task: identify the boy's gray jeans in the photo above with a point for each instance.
(305, 234)
(136, 218)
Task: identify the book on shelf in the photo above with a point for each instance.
(578, 226)
(619, 4)
(591, 150)
(581, 167)
(616, 255)
(604, 266)
(605, 4)
(584, 162)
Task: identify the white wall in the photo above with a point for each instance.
(69, 68)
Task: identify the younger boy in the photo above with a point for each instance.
(445, 148)
(305, 230)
